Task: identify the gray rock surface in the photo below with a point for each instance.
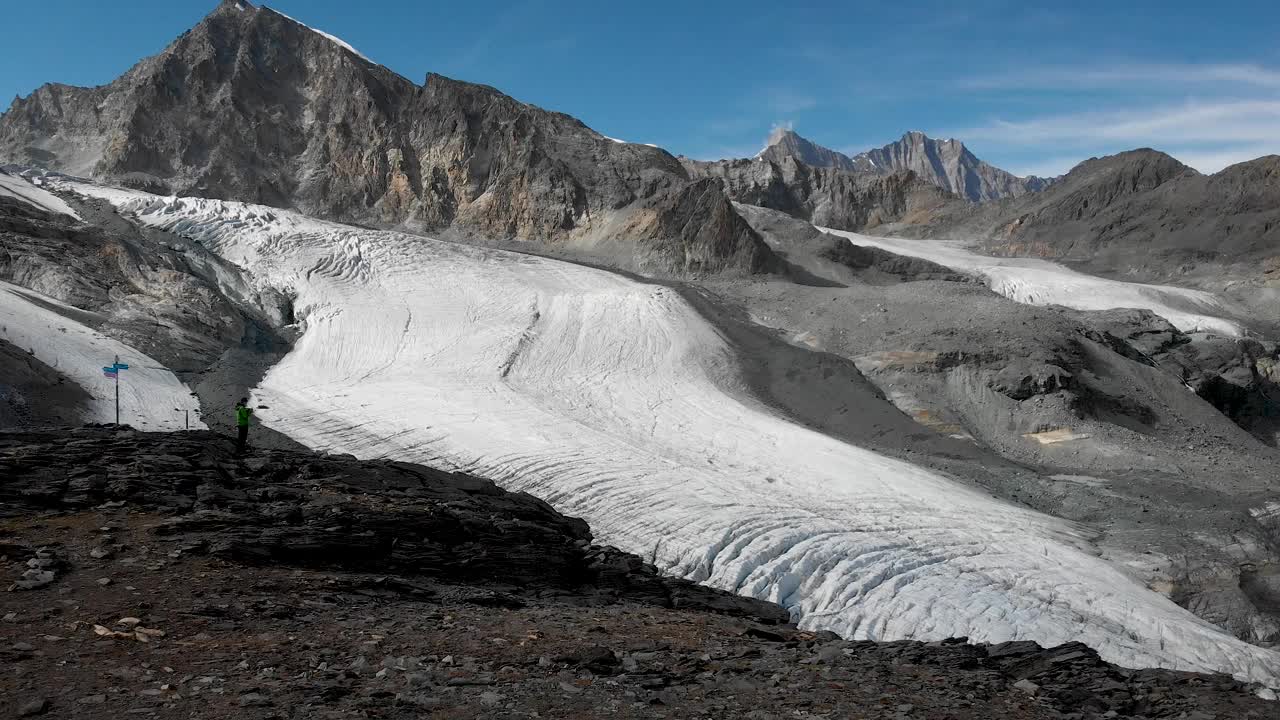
(824, 196)
(949, 165)
(32, 394)
(785, 143)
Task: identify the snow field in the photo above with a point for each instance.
(16, 187)
(151, 397)
(1039, 282)
(618, 403)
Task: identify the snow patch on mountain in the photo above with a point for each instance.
(617, 402)
(13, 186)
(1040, 282)
(332, 38)
(625, 142)
(151, 397)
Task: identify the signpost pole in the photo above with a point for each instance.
(117, 390)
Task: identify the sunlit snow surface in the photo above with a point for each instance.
(15, 187)
(1040, 282)
(151, 397)
(618, 403)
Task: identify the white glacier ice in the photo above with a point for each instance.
(1040, 282)
(620, 404)
(18, 188)
(151, 397)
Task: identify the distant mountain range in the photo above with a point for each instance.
(945, 163)
(252, 105)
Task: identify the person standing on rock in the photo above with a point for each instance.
(243, 411)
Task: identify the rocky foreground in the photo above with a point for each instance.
(157, 575)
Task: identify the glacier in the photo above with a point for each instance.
(151, 397)
(1040, 282)
(17, 188)
(617, 402)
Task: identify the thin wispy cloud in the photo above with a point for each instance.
(1128, 76)
(1047, 167)
(1205, 134)
(783, 101)
(1227, 121)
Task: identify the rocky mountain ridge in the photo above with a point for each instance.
(947, 164)
(252, 105)
(1140, 215)
(824, 196)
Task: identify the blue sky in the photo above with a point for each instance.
(1033, 87)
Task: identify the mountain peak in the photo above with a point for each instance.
(781, 134)
(234, 6)
(945, 163)
(785, 142)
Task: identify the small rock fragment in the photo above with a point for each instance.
(35, 707)
(254, 700)
(1027, 687)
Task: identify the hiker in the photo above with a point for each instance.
(243, 411)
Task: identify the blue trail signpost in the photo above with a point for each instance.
(113, 372)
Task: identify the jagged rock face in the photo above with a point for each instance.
(507, 169)
(824, 196)
(947, 164)
(785, 143)
(57, 126)
(698, 231)
(247, 105)
(250, 105)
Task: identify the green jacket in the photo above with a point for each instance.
(242, 416)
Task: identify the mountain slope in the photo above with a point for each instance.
(618, 402)
(823, 195)
(1142, 214)
(945, 163)
(254, 106)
